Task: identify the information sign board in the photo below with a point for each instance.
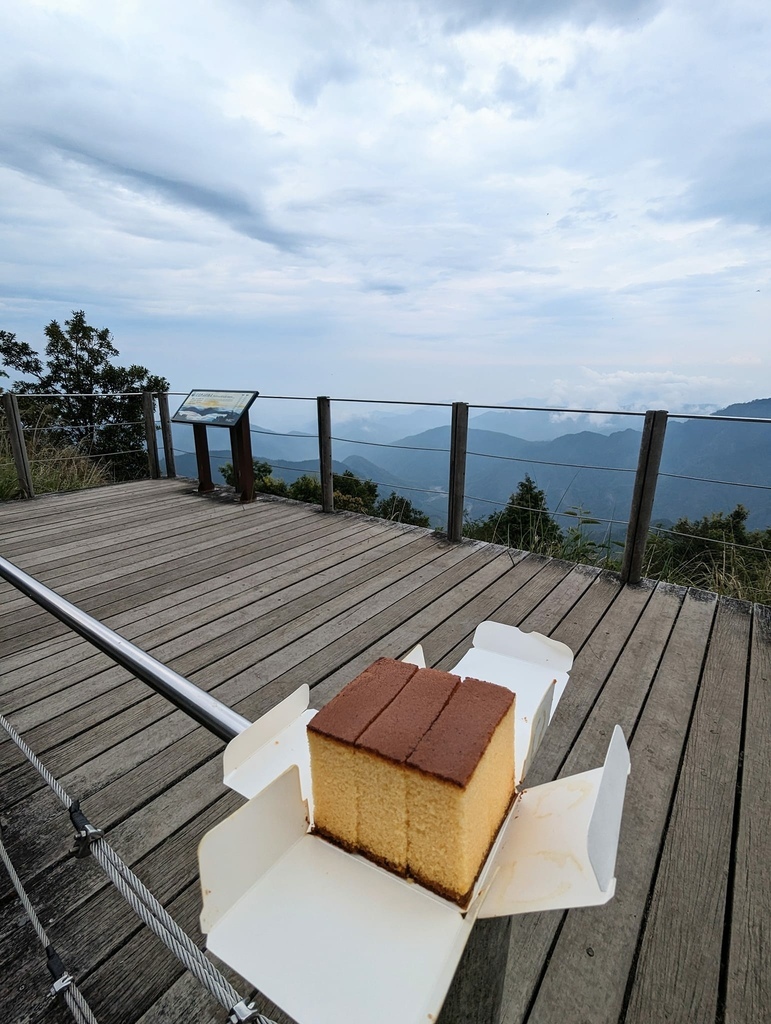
(214, 408)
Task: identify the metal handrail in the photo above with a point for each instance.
(209, 712)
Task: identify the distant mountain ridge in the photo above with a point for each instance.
(587, 469)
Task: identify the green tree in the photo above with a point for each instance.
(306, 488)
(264, 481)
(353, 494)
(524, 523)
(400, 509)
(78, 366)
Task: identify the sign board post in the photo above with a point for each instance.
(204, 409)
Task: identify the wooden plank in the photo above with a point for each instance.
(437, 607)
(677, 973)
(104, 504)
(68, 550)
(748, 982)
(310, 568)
(456, 638)
(604, 617)
(67, 555)
(597, 632)
(165, 733)
(70, 519)
(109, 594)
(270, 563)
(163, 579)
(152, 777)
(89, 919)
(115, 709)
(598, 980)
(98, 496)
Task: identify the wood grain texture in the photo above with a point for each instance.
(748, 990)
(678, 968)
(250, 602)
(593, 954)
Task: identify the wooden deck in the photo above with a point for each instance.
(250, 601)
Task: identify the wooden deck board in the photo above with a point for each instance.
(679, 966)
(572, 972)
(748, 990)
(251, 601)
(611, 932)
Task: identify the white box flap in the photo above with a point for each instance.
(239, 851)
(543, 861)
(327, 936)
(514, 643)
(273, 743)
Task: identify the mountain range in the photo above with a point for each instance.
(587, 470)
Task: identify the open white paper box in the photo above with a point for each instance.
(331, 937)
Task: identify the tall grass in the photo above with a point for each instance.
(738, 567)
(732, 570)
(53, 467)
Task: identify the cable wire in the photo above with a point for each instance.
(708, 480)
(140, 899)
(541, 462)
(72, 995)
(710, 540)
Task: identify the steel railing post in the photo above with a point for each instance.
(18, 444)
(166, 435)
(217, 717)
(325, 454)
(458, 443)
(148, 409)
(648, 462)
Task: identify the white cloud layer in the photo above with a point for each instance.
(436, 199)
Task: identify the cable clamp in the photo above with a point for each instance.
(61, 984)
(62, 978)
(242, 1011)
(85, 832)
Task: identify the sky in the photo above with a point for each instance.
(435, 200)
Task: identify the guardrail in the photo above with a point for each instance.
(637, 525)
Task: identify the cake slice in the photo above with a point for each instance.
(460, 787)
(415, 770)
(331, 736)
(381, 775)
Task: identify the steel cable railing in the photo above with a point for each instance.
(470, 457)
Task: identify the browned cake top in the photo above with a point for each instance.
(456, 741)
(399, 728)
(349, 713)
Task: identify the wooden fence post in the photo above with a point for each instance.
(648, 462)
(168, 440)
(148, 408)
(243, 462)
(458, 442)
(200, 437)
(325, 454)
(18, 444)
(476, 992)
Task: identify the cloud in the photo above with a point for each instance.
(735, 183)
(637, 390)
(341, 198)
(321, 184)
(53, 158)
(312, 78)
(515, 90)
(383, 287)
(536, 14)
